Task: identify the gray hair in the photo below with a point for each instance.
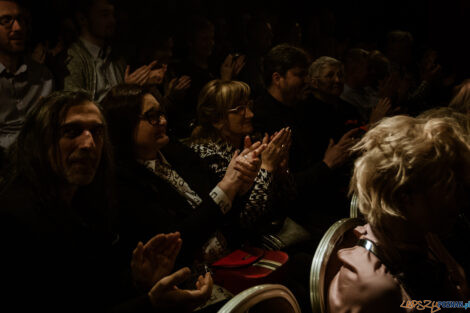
(319, 64)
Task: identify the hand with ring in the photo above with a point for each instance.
(277, 149)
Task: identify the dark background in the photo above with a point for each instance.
(436, 24)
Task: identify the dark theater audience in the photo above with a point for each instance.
(163, 186)
(263, 102)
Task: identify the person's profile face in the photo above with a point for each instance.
(81, 137)
(150, 133)
(239, 119)
(292, 83)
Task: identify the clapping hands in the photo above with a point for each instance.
(156, 259)
(151, 266)
(337, 154)
(231, 67)
(145, 74)
(380, 110)
(178, 86)
(277, 150)
(242, 169)
(166, 295)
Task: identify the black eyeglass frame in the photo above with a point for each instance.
(153, 117)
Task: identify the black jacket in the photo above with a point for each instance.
(149, 205)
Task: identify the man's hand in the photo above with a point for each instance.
(140, 76)
(156, 76)
(337, 154)
(166, 295)
(156, 259)
(380, 110)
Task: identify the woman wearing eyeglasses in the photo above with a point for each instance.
(163, 186)
(224, 115)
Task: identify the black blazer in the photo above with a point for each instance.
(149, 205)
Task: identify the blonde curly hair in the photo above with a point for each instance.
(404, 156)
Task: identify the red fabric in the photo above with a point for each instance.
(238, 258)
(260, 271)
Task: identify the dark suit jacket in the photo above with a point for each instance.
(149, 205)
(315, 181)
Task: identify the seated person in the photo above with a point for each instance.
(56, 199)
(411, 181)
(91, 63)
(315, 173)
(164, 186)
(224, 117)
(23, 81)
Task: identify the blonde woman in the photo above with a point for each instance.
(411, 180)
(224, 115)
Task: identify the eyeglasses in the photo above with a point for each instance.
(8, 20)
(154, 117)
(241, 109)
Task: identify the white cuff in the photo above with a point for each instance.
(221, 199)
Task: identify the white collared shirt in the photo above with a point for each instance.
(106, 76)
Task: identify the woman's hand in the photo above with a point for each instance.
(242, 170)
(276, 150)
(155, 260)
(166, 295)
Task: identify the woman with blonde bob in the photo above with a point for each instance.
(224, 115)
(411, 180)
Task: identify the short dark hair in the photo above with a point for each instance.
(30, 155)
(282, 58)
(122, 106)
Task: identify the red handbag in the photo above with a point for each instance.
(249, 267)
